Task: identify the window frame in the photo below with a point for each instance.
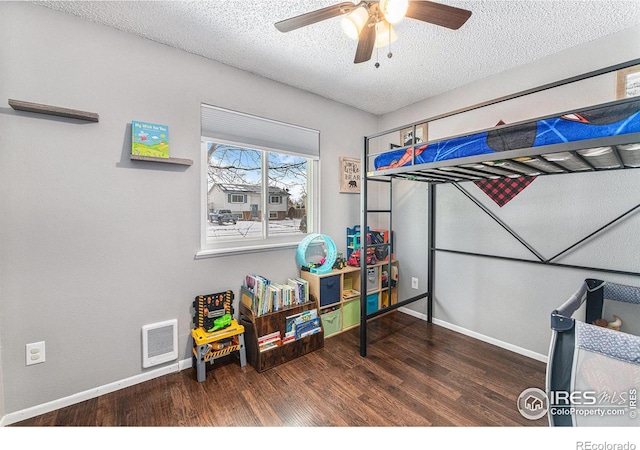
(277, 197)
(242, 202)
(209, 249)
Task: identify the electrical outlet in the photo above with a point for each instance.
(35, 353)
(414, 283)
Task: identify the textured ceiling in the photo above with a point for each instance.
(427, 59)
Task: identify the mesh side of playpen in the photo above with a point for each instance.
(607, 374)
(593, 374)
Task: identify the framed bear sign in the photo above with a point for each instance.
(349, 175)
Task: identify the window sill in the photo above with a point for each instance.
(230, 251)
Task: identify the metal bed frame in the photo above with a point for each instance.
(473, 168)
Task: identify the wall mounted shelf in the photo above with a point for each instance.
(20, 105)
(181, 161)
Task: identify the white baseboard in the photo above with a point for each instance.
(93, 393)
(480, 337)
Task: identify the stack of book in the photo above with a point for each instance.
(269, 297)
(300, 290)
(269, 341)
(258, 285)
(301, 325)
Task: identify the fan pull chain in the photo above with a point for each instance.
(389, 55)
(377, 54)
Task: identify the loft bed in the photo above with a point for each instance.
(594, 138)
(534, 142)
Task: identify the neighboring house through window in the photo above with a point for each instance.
(261, 173)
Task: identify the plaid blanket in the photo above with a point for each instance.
(503, 190)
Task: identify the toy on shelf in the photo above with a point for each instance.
(380, 241)
(316, 253)
(210, 307)
(354, 260)
(384, 276)
(220, 323)
(377, 240)
(341, 262)
(353, 239)
(207, 347)
(216, 333)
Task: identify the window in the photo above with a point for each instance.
(263, 175)
(237, 198)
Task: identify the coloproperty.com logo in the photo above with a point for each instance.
(534, 403)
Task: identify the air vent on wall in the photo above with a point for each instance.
(159, 343)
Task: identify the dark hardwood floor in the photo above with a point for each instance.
(415, 374)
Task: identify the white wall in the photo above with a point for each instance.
(1, 385)
(507, 301)
(94, 246)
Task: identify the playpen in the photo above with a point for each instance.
(593, 373)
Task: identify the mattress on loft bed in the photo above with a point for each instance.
(610, 120)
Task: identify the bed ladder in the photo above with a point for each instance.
(364, 220)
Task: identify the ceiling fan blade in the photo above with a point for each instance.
(438, 14)
(366, 41)
(315, 16)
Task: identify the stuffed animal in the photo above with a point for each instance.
(615, 325)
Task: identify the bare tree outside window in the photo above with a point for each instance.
(235, 181)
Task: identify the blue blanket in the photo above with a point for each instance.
(596, 122)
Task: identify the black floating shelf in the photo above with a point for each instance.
(20, 105)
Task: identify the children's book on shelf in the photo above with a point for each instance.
(300, 325)
(350, 293)
(308, 328)
(259, 288)
(300, 287)
(268, 296)
(269, 337)
(268, 346)
(149, 139)
(289, 328)
(273, 298)
(288, 338)
(269, 341)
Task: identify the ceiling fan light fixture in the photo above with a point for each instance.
(385, 34)
(393, 10)
(360, 20)
(353, 22)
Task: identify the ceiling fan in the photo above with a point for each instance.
(371, 22)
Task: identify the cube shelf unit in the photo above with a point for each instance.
(256, 326)
(339, 298)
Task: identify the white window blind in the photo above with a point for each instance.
(234, 126)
